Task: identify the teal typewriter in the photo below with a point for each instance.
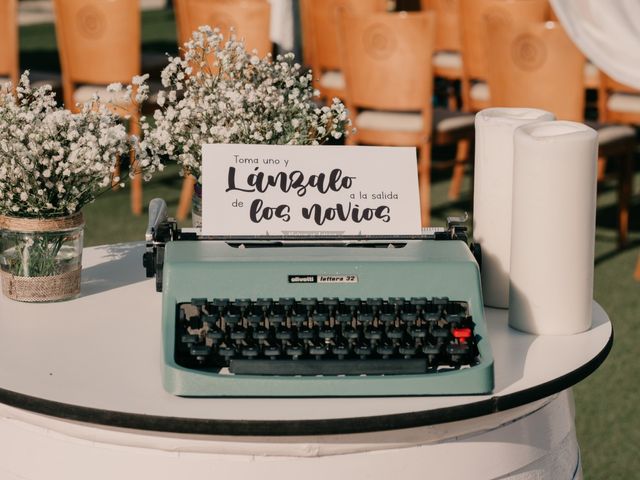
(322, 317)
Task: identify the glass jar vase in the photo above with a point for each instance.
(41, 259)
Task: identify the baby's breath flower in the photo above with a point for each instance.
(220, 93)
(53, 161)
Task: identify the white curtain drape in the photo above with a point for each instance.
(281, 28)
(607, 32)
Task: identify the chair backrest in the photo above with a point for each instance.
(473, 39)
(9, 65)
(619, 114)
(536, 65)
(323, 20)
(616, 86)
(387, 61)
(306, 32)
(447, 23)
(249, 19)
(98, 42)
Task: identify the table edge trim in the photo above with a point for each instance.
(284, 428)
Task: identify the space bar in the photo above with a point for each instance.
(328, 367)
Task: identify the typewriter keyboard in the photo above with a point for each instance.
(327, 336)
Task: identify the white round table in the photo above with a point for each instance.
(81, 397)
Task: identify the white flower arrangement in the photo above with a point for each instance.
(220, 93)
(53, 161)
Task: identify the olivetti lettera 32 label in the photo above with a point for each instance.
(339, 278)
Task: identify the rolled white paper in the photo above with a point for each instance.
(492, 194)
(553, 228)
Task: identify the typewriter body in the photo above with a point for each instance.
(298, 317)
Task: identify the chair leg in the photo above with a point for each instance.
(116, 173)
(136, 194)
(424, 182)
(602, 167)
(625, 179)
(462, 156)
(186, 194)
(452, 98)
(136, 181)
(465, 88)
(636, 275)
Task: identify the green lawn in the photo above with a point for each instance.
(608, 428)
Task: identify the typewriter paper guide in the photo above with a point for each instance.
(267, 190)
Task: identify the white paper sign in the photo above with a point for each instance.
(309, 190)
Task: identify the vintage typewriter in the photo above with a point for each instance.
(289, 316)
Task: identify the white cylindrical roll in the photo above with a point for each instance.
(553, 228)
(492, 194)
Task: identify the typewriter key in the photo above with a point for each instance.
(363, 349)
(366, 314)
(200, 351)
(189, 339)
(250, 351)
(272, 351)
(341, 350)
(215, 335)
(238, 333)
(295, 351)
(332, 302)
(199, 302)
(387, 313)
(220, 302)
(407, 350)
(263, 302)
(372, 333)
(385, 349)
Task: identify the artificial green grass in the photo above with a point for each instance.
(608, 426)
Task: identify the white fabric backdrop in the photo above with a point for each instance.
(607, 32)
(281, 28)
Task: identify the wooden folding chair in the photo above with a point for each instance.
(447, 59)
(537, 65)
(249, 19)
(9, 64)
(250, 22)
(99, 44)
(474, 88)
(320, 21)
(389, 79)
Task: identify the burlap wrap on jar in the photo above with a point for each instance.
(41, 259)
